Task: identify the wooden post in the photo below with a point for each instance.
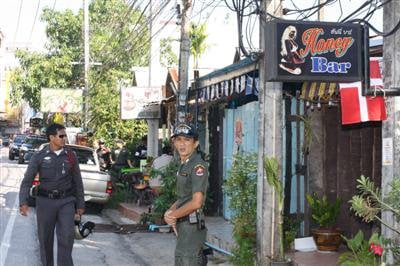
(270, 143)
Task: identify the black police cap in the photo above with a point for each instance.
(185, 130)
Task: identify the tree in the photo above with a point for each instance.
(119, 40)
(198, 44)
(167, 56)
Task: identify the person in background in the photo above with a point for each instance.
(186, 215)
(159, 164)
(104, 155)
(141, 151)
(120, 157)
(59, 198)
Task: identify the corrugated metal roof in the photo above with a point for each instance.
(234, 70)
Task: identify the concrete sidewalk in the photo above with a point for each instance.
(220, 235)
(219, 230)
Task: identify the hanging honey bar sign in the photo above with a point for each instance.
(314, 51)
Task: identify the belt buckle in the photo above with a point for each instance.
(50, 195)
(55, 194)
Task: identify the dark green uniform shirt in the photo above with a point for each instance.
(192, 176)
(121, 156)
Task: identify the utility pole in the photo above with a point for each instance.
(390, 140)
(270, 140)
(184, 62)
(321, 10)
(152, 123)
(87, 55)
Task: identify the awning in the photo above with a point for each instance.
(322, 92)
(242, 85)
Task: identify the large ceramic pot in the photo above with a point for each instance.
(327, 239)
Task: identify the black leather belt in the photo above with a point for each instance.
(183, 219)
(55, 193)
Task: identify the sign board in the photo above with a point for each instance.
(60, 100)
(36, 122)
(314, 51)
(140, 102)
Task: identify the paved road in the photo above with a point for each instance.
(19, 245)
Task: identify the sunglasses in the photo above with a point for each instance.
(61, 136)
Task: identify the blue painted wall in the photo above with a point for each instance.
(248, 114)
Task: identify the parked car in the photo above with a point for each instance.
(96, 184)
(30, 146)
(5, 141)
(13, 149)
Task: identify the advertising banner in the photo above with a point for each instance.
(60, 100)
(140, 102)
(315, 51)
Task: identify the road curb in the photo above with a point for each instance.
(115, 216)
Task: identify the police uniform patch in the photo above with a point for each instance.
(199, 170)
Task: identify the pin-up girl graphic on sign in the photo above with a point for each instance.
(290, 56)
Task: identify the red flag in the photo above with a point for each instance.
(357, 108)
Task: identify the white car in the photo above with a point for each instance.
(96, 184)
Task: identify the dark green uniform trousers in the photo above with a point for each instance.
(189, 245)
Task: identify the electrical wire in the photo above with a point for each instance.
(19, 17)
(134, 27)
(123, 21)
(111, 64)
(112, 61)
(357, 10)
(34, 22)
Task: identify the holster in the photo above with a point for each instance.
(34, 190)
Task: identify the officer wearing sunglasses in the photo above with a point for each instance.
(186, 215)
(59, 198)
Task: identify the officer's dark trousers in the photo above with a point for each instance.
(56, 214)
(189, 245)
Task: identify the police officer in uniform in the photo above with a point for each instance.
(60, 196)
(120, 157)
(185, 215)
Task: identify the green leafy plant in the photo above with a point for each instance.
(272, 170)
(291, 226)
(323, 212)
(118, 196)
(369, 203)
(117, 54)
(198, 36)
(241, 188)
(167, 194)
(363, 252)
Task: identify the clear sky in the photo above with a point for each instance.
(20, 20)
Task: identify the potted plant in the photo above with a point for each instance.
(241, 188)
(271, 167)
(327, 237)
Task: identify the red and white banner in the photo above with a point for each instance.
(357, 108)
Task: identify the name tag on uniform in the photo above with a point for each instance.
(183, 174)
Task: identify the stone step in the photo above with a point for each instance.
(132, 211)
